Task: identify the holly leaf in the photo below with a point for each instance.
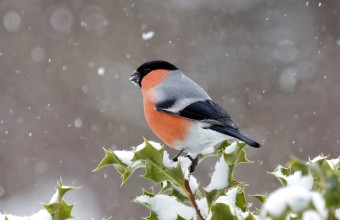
(180, 218)
(111, 159)
(212, 196)
(282, 173)
(234, 154)
(152, 216)
(58, 208)
(260, 197)
(241, 200)
(178, 195)
(221, 211)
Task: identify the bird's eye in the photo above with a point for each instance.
(146, 71)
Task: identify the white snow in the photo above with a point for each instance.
(78, 123)
(193, 184)
(317, 158)
(337, 213)
(101, 71)
(54, 198)
(124, 156)
(334, 163)
(230, 200)
(167, 207)
(41, 215)
(297, 179)
(185, 163)
(319, 204)
(203, 206)
(167, 162)
(278, 172)
(207, 150)
(296, 197)
(156, 145)
(148, 35)
(311, 215)
(12, 21)
(231, 148)
(220, 177)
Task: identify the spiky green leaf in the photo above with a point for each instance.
(221, 211)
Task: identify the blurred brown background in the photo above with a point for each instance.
(64, 89)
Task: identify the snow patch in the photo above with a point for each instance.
(193, 184)
(167, 207)
(297, 179)
(296, 197)
(156, 145)
(185, 163)
(41, 215)
(231, 148)
(167, 162)
(334, 163)
(124, 156)
(230, 200)
(203, 206)
(220, 177)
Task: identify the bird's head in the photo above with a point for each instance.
(146, 68)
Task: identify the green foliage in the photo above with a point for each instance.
(310, 189)
(314, 188)
(316, 182)
(58, 208)
(174, 180)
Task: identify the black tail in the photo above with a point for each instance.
(236, 134)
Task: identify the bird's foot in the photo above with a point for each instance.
(175, 159)
(194, 162)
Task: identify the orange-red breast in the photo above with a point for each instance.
(180, 112)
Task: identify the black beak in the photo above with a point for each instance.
(135, 78)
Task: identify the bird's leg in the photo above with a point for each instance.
(194, 162)
(176, 157)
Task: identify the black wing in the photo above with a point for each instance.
(206, 111)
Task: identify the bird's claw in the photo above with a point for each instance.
(194, 163)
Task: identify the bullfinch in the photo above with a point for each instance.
(180, 112)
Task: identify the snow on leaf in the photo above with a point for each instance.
(295, 198)
(234, 154)
(281, 173)
(203, 206)
(236, 201)
(167, 207)
(167, 162)
(220, 177)
(40, 215)
(124, 156)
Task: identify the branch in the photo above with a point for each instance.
(192, 199)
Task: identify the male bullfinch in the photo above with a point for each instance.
(180, 112)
